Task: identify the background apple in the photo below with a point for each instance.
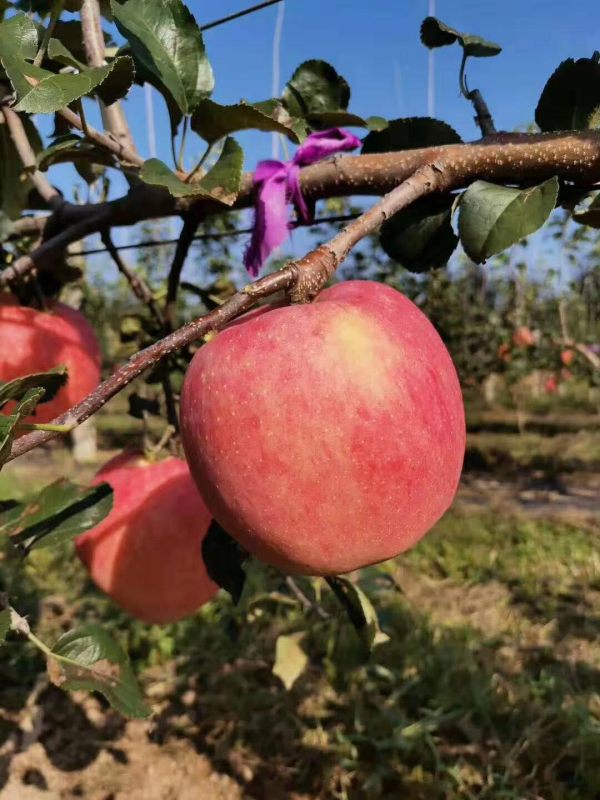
(523, 337)
(328, 436)
(567, 357)
(146, 554)
(36, 341)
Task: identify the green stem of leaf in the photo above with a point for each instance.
(20, 625)
(462, 78)
(39, 426)
(57, 7)
(181, 156)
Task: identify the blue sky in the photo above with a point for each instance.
(376, 47)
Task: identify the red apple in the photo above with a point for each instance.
(567, 357)
(328, 436)
(551, 385)
(146, 554)
(36, 341)
(523, 337)
(504, 352)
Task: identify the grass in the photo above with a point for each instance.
(511, 452)
(487, 688)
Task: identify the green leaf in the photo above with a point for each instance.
(71, 35)
(290, 659)
(4, 623)
(119, 73)
(493, 217)
(224, 180)
(421, 237)
(435, 33)
(118, 81)
(165, 37)
(315, 87)
(50, 381)
(409, 133)
(157, 173)
(571, 97)
(59, 512)
(335, 119)
(10, 423)
(223, 558)
(19, 37)
(221, 183)
(42, 92)
(89, 659)
(360, 611)
(212, 121)
(144, 75)
(73, 148)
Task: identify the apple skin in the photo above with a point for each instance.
(329, 436)
(146, 554)
(567, 357)
(36, 341)
(523, 337)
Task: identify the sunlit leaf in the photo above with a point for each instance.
(212, 121)
(290, 659)
(165, 37)
(221, 183)
(360, 611)
(59, 512)
(89, 659)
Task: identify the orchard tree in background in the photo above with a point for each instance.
(255, 469)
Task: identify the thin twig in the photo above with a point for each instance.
(57, 7)
(304, 600)
(143, 292)
(121, 150)
(239, 14)
(138, 285)
(190, 225)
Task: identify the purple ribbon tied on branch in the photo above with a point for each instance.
(277, 183)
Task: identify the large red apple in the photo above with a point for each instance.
(328, 436)
(36, 341)
(146, 554)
